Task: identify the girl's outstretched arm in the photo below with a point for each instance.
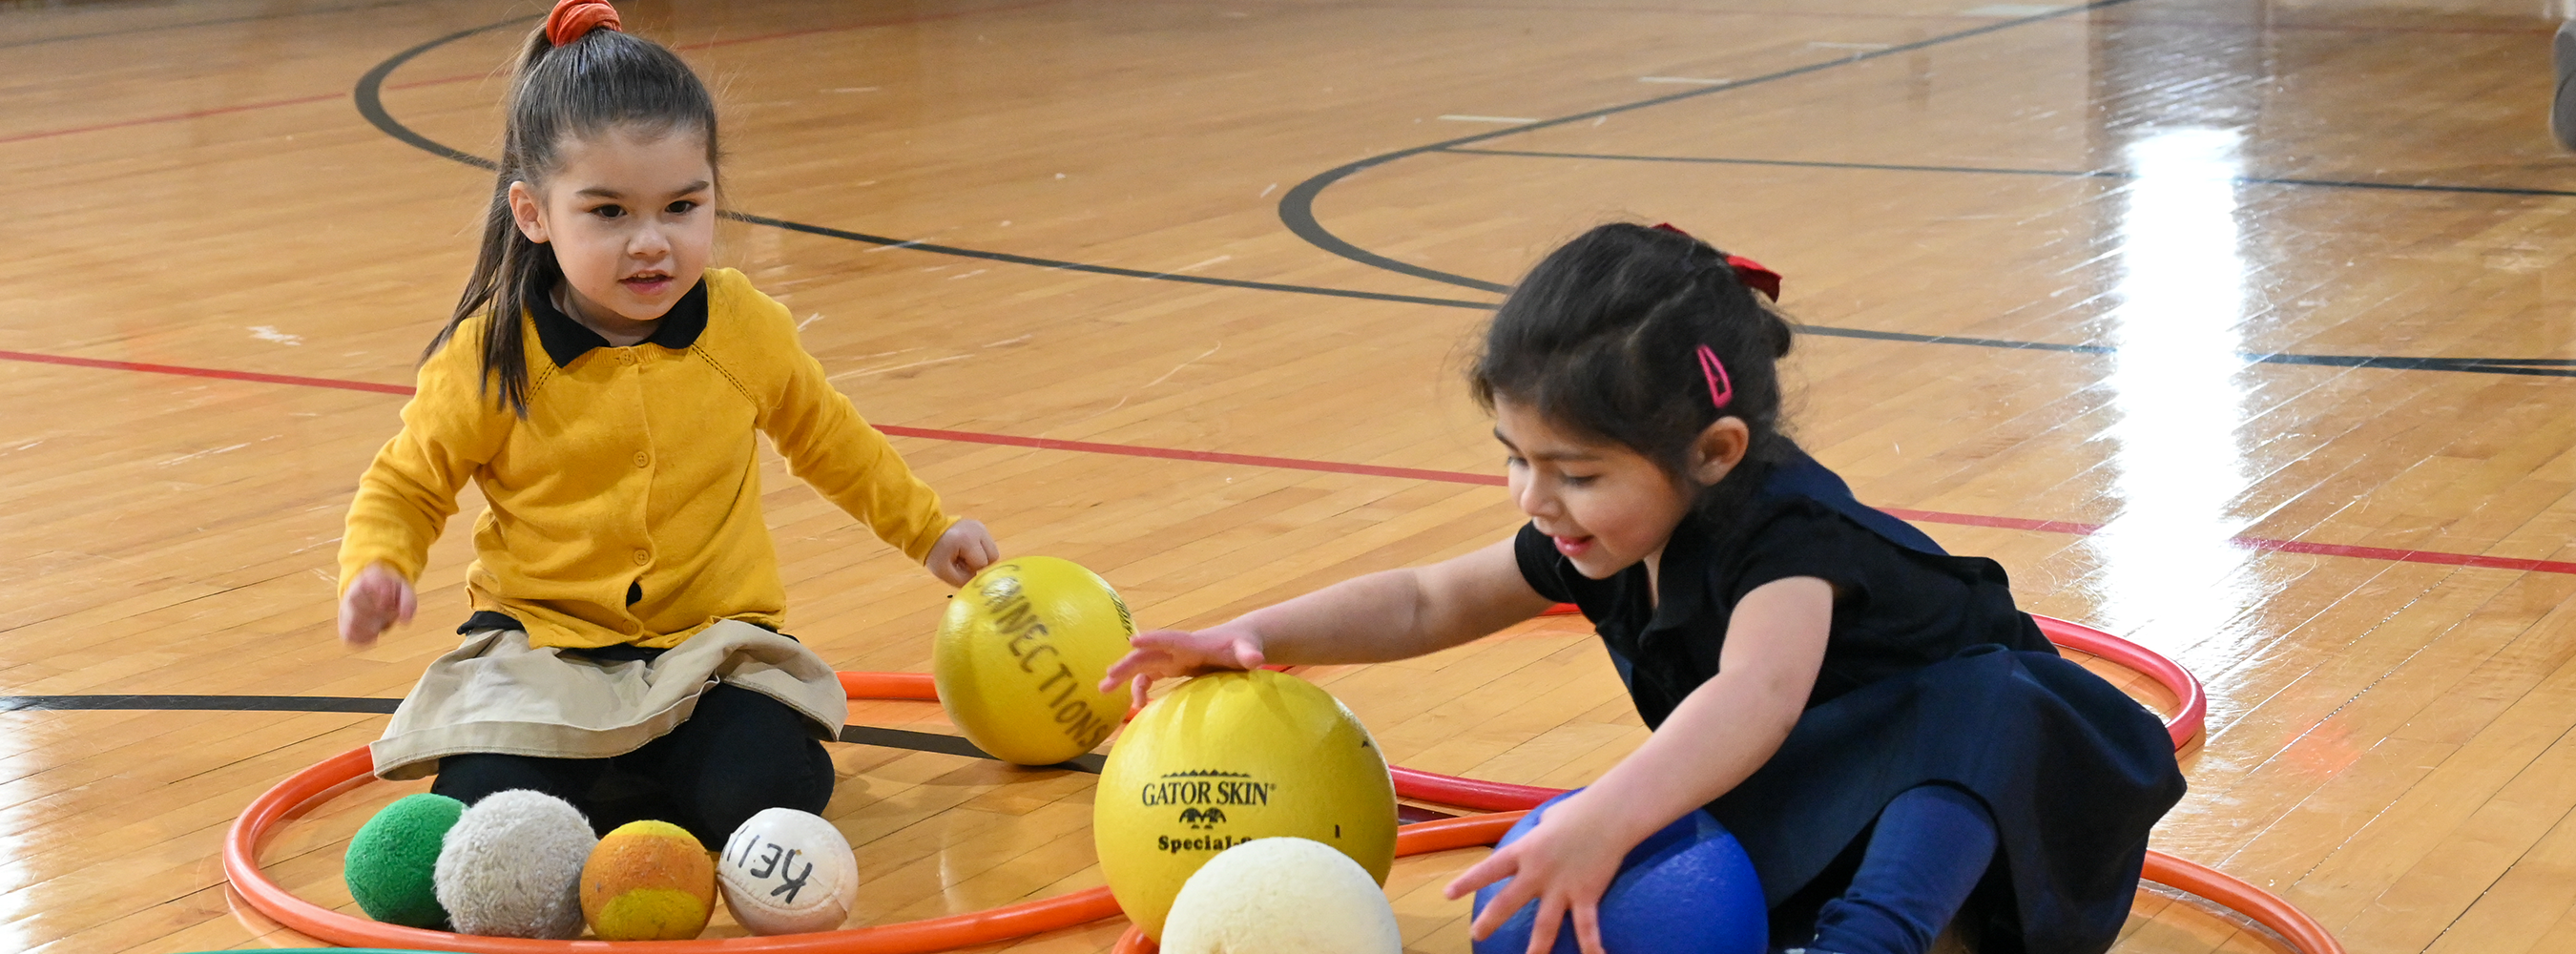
(1721, 733)
(1394, 614)
(450, 428)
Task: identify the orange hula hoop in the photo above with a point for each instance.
(2191, 704)
(2263, 907)
(299, 792)
(2228, 891)
(2191, 712)
(302, 790)
(2189, 721)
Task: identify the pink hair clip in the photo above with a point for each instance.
(1720, 389)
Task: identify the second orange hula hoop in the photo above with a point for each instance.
(302, 790)
(298, 793)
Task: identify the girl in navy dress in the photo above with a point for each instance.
(1894, 743)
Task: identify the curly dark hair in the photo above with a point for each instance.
(1602, 338)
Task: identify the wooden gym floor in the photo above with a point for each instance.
(2238, 328)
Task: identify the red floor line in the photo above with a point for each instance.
(221, 110)
(218, 373)
(2008, 523)
(2436, 557)
(173, 117)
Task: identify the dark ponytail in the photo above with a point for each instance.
(598, 79)
(1602, 338)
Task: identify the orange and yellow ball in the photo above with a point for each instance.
(648, 881)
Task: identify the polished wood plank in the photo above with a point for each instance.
(2386, 741)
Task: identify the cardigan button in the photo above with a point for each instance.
(643, 556)
(641, 460)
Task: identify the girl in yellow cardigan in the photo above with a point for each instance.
(601, 385)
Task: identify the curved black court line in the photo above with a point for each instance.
(1297, 212)
(369, 96)
(1297, 205)
(2113, 174)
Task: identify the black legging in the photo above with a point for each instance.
(740, 752)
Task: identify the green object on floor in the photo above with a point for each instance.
(392, 859)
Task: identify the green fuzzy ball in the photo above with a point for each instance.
(392, 859)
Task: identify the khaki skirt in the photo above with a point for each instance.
(495, 693)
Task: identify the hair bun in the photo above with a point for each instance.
(574, 19)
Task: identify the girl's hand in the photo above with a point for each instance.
(965, 550)
(376, 600)
(1171, 653)
(1565, 864)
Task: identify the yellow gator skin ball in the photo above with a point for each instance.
(648, 881)
(1227, 758)
(1020, 656)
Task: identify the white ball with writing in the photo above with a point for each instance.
(1281, 896)
(788, 872)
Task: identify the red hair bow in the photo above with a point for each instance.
(1748, 271)
(574, 19)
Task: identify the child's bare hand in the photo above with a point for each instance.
(965, 550)
(376, 600)
(1170, 653)
(1564, 864)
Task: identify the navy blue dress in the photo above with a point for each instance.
(1930, 676)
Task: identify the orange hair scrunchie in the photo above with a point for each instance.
(574, 19)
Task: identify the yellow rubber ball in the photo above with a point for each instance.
(648, 881)
(1227, 758)
(1020, 656)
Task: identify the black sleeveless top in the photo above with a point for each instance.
(1895, 609)
(1930, 676)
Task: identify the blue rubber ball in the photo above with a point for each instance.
(1688, 887)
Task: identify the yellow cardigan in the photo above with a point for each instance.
(626, 507)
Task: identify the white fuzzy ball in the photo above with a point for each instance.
(788, 872)
(1281, 896)
(512, 867)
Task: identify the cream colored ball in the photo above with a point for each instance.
(1281, 896)
(788, 872)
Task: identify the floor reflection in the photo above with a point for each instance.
(2181, 296)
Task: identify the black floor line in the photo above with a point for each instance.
(947, 745)
(870, 735)
(2539, 367)
(1016, 259)
(2112, 174)
(369, 95)
(1297, 212)
(371, 705)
